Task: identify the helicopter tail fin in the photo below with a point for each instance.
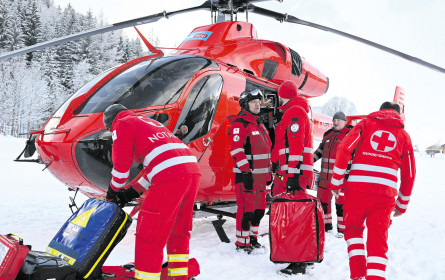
(399, 98)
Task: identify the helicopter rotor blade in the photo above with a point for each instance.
(237, 3)
(116, 26)
(289, 18)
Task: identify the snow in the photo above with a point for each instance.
(34, 204)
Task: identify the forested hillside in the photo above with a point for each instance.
(34, 85)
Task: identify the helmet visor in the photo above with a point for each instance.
(253, 93)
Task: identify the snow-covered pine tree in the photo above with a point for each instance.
(31, 92)
(69, 53)
(12, 36)
(3, 17)
(31, 27)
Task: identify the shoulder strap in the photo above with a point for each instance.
(243, 121)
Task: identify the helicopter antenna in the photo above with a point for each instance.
(247, 11)
(211, 13)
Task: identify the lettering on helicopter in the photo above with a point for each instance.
(324, 125)
(199, 35)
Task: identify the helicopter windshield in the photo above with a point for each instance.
(81, 91)
(157, 81)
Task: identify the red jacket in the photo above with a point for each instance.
(327, 151)
(250, 146)
(143, 140)
(382, 146)
(293, 141)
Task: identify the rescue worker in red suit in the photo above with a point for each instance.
(293, 148)
(252, 166)
(171, 175)
(327, 152)
(382, 146)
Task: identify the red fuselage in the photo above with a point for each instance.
(197, 88)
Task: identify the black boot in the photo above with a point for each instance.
(327, 227)
(294, 268)
(254, 242)
(246, 249)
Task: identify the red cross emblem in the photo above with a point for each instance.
(383, 141)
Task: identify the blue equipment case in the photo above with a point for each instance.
(89, 235)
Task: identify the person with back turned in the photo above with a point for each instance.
(381, 147)
(171, 175)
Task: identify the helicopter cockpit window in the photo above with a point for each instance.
(158, 81)
(269, 114)
(82, 90)
(199, 110)
(162, 118)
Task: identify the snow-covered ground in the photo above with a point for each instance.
(34, 204)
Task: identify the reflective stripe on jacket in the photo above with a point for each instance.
(250, 146)
(293, 140)
(327, 151)
(148, 142)
(382, 146)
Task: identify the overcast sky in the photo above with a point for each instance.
(364, 75)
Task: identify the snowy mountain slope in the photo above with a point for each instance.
(34, 205)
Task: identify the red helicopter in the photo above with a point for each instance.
(191, 91)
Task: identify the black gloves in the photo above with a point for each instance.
(248, 180)
(111, 194)
(293, 183)
(128, 195)
(123, 196)
(275, 167)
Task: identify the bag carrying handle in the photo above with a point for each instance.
(16, 236)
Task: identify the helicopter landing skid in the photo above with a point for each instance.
(218, 224)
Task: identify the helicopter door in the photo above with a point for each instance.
(196, 118)
(269, 114)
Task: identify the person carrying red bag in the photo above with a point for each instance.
(293, 149)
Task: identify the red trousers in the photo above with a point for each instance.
(325, 196)
(376, 211)
(166, 218)
(251, 207)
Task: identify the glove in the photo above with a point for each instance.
(111, 195)
(275, 167)
(127, 195)
(293, 183)
(248, 181)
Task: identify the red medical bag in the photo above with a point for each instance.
(12, 255)
(296, 228)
